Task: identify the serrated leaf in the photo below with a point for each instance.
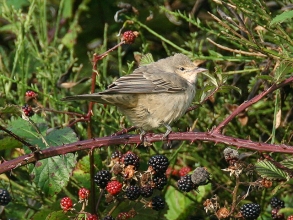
(212, 78)
(228, 88)
(269, 171)
(52, 174)
(266, 77)
(25, 130)
(146, 59)
(288, 163)
(282, 17)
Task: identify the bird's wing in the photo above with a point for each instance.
(147, 79)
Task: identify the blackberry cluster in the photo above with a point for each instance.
(102, 178)
(159, 163)
(132, 192)
(159, 181)
(158, 203)
(250, 211)
(131, 158)
(185, 184)
(5, 197)
(277, 203)
(146, 191)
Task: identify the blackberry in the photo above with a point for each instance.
(159, 181)
(185, 184)
(132, 192)
(109, 217)
(28, 111)
(102, 178)
(131, 158)
(117, 155)
(250, 211)
(159, 163)
(277, 203)
(158, 203)
(5, 197)
(146, 191)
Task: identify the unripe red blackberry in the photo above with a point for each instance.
(185, 184)
(123, 216)
(159, 181)
(290, 217)
(129, 36)
(91, 217)
(158, 163)
(132, 192)
(30, 94)
(184, 171)
(130, 158)
(146, 191)
(158, 203)
(5, 197)
(250, 211)
(66, 204)
(102, 178)
(83, 193)
(114, 187)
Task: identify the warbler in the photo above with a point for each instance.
(153, 95)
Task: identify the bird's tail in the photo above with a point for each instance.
(95, 97)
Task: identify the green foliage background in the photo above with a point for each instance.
(54, 64)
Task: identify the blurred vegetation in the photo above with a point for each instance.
(47, 46)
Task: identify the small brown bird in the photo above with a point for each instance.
(154, 95)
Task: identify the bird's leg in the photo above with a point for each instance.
(142, 135)
(169, 130)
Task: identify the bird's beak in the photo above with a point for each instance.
(200, 70)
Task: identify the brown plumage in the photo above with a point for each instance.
(153, 95)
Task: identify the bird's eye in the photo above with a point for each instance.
(182, 68)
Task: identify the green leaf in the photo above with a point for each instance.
(25, 130)
(282, 17)
(213, 80)
(57, 216)
(269, 171)
(288, 163)
(146, 59)
(228, 88)
(52, 174)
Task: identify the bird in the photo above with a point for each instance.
(153, 95)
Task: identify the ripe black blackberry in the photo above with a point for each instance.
(132, 192)
(131, 158)
(277, 203)
(185, 184)
(159, 181)
(109, 217)
(158, 163)
(102, 178)
(5, 197)
(250, 211)
(146, 191)
(158, 203)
